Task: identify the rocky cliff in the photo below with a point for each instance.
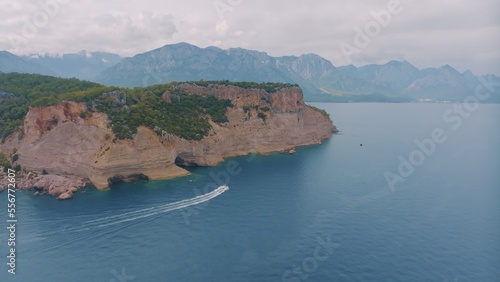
(62, 141)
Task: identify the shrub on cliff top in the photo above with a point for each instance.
(269, 87)
(262, 116)
(4, 161)
(323, 112)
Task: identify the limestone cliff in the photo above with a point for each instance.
(63, 141)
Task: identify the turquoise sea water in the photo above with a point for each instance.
(326, 213)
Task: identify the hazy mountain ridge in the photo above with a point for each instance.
(12, 63)
(83, 65)
(442, 83)
(184, 62)
(395, 74)
(395, 81)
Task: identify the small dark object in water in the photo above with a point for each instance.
(360, 144)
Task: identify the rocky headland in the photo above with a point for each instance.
(65, 149)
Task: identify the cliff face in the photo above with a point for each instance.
(63, 141)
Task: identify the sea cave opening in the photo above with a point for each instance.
(185, 159)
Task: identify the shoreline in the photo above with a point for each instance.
(64, 187)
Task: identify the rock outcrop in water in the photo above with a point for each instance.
(54, 185)
(61, 141)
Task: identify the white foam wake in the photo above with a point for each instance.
(135, 215)
(143, 213)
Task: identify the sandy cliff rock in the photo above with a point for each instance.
(69, 141)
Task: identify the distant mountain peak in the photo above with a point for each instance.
(7, 54)
(312, 56)
(467, 72)
(85, 53)
(180, 45)
(83, 64)
(401, 64)
(448, 68)
(238, 50)
(396, 62)
(12, 63)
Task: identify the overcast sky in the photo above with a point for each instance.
(462, 33)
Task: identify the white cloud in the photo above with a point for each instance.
(459, 32)
(221, 27)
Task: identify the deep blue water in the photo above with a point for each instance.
(324, 214)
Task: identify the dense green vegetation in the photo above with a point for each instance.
(32, 90)
(186, 116)
(4, 161)
(269, 87)
(323, 112)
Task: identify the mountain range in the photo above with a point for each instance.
(83, 65)
(395, 81)
(12, 63)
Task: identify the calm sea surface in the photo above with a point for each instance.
(326, 213)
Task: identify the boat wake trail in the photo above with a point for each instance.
(135, 215)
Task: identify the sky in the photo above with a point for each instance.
(462, 33)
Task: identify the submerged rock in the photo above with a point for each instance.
(66, 195)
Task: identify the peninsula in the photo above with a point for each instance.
(72, 133)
